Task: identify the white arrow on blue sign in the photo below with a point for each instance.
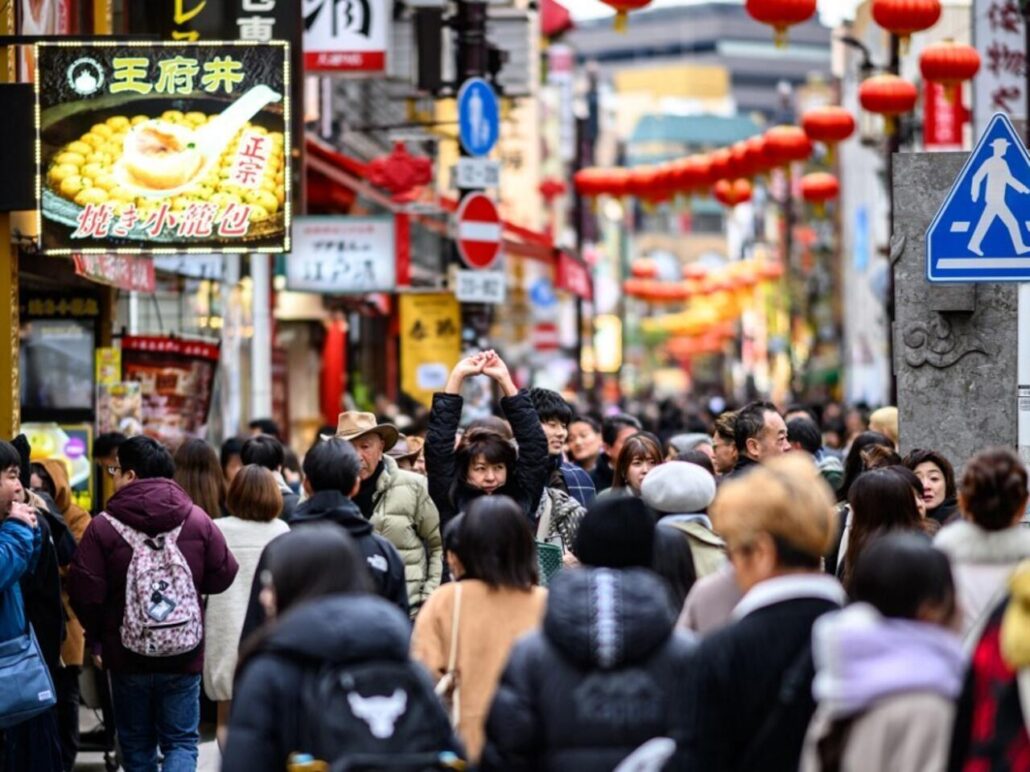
(479, 117)
(982, 232)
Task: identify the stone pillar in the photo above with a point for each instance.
(954, 344)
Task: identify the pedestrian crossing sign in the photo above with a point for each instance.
(982, 232)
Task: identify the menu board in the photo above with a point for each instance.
(176, 377)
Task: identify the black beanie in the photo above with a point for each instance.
(616, 532)
(21, 444)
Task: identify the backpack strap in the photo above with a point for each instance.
(137, 539)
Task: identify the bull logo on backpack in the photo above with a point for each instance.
(380, 713)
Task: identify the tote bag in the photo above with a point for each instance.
(26, 689)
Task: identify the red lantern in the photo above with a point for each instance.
(903, 17)
(596, 181)
(732, 192)
(644, 268)
(949, 63)
(743, 160)
(888, 95)
(644, 181)
(550, 188)
(622, 9)
(787, 144)
(780, 14)
(720, 164)
(758, 155)
(770, 271)
(829, 125)
(818, 188)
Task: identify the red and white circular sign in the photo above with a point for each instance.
(478, 231)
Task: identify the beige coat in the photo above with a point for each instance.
(904, 733)
(707, 549)
(406, 516)
(489, 623)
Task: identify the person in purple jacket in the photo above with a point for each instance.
(156, 699)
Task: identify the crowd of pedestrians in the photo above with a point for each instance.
(544, 589)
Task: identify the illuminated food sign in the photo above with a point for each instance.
(163, 147)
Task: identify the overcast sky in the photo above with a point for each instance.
(832, 12)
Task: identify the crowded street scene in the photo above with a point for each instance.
(515, 386)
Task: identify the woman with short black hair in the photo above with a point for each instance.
(329, 674)
(469, 626)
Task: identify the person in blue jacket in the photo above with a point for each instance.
(20, 542)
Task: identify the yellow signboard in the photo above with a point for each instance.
(430, 342)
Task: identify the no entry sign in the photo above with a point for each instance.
(478, 231)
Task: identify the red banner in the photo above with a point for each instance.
(943, 119)
(135, 274)
(574, 277)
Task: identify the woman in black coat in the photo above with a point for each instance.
(484, 462)
(602, 678)
(330, 675)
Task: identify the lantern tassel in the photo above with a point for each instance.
(953, 93)
(890, 125)
(781, 36)
(831, 153)
(904, 43)
(820, 210)
(621, 22)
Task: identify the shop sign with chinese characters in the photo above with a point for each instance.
(342, 255)
(430, 342)
(133, 274)
(163, 147)
(346, 35)
(1000, 86)
(193, 20)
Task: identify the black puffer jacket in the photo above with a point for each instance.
(269, 720)
(384, 562)
(525, 483)
(603, 676)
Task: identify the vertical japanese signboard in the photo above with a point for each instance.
(163, 147)
(943, 118)
(430, 342)
(346, 35)
(1000, 86)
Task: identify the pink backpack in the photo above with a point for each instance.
(162, 615)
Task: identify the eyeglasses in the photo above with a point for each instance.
(112, 470)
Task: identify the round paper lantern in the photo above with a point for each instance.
(720, 164)
(643, 181)
(818, 188)
(950, 64)
(758, 155)
(622, 9)
(590, 182)
(644, 268)
(550, 188)
(829, 125)
(903, 17)
(781, 14)
(743, 160)
(787, 144)
(889, 96)
(732, 192)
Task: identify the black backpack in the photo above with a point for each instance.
(376, 715)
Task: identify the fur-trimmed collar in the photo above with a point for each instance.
(969, 543)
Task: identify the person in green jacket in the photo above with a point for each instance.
(397, 503)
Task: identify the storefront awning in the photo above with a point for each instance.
(348, 173)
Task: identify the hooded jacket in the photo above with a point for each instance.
(384, 563)
(268, 720)
(893, 681)
(77, 520)
(525, 483)
(982, 562)
(96, 583)
(604, 676)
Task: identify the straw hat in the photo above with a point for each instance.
(352, 425)
(407, 448)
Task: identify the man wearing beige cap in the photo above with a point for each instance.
(397, 503)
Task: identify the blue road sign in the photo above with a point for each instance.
(479, 117)
(982, 232)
